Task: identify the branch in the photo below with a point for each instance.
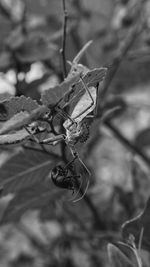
(99, 223)
(63, 49)
(53, 155)
(123, 49)
(126, 142)
(4, 11)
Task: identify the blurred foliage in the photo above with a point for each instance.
(63, 232)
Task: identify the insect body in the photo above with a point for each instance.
(61, 178)
(76, 127)
(64, 178)
(77, 132)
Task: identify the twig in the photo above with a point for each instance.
(122, 51)
(63, 49)
(55, 156)
(126, 142)
(99, 223)
(5, 11)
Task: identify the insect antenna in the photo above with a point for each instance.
(81, 52)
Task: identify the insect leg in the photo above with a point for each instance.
(85, 191)
(76, 156)
(66, 115)
(73, 180)
(28, 131)
(87, 90)
(96, 105)
(69, 163)
(49, 140)
(78, 191)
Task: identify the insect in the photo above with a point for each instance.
(81, 99)
(63, 177)
(76, 130)
(75, 124)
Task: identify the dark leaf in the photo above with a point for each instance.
(136, 225)
(16, 39)
(73, 88)
(35, 47)
(130, 251)
(4, 96)
(142, 140)
(32, 89)
(14, 105)
(117, 258)
(26, 168)
(117, 104)
(6, 61)
(51, 96)
(37, 197)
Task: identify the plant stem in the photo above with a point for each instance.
(63, 49)
(123, 49)
(126, 142)
(98, 221)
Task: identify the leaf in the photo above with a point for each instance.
(131, 252)
(14, 105)
(83, 107)
(25, 169)
(115, 104)
(142, 139)
(32, 89)
(72, 88)
(91, 78)
(14, 138)
(117, 258)
(35, 47)
(15, 39)
(37, 197)
(94, 76)
(11, 124)
(5, 96)
(6, 61)
(135, 226)
(22, 119)
(51, 96)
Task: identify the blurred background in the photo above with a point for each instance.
(118, 150)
